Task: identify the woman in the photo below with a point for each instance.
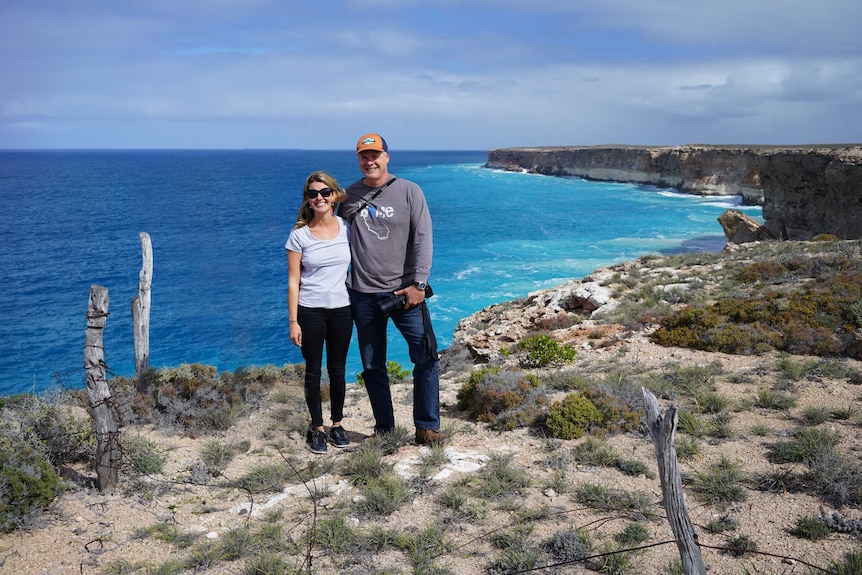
(318, 256)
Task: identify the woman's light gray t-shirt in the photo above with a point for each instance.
(323, 271)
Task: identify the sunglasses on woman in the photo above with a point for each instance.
(311, 194)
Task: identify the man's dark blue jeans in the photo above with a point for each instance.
(415, 325)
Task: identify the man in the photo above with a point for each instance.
(391, 248)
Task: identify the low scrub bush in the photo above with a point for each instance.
(812, 319)
(807, 444)
(195, 397)
(504, 399)
(720, 483)
(28, 484)
(573, 417)
(740, 545)
(598, 496)
(589, 412)
(36, 434)
(265, 478)
(143, 455)
(773, 399)
(632, 535)
(384, 496)
(568, 546)
(695, 381)
(500, 479)
(542, 350)
(518, 553)
(396, 373)
(810, 528)
(216, 456)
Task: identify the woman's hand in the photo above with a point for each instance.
(296, 333)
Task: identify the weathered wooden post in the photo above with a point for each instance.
(141, 313)
(107, 461)
(662, 430)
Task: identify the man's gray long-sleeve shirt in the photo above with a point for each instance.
(391, 242)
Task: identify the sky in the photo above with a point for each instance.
(428, 74)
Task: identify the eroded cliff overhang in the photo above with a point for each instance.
(806, 190)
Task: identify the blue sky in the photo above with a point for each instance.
(428, 74)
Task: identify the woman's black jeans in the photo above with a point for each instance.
(332, 327)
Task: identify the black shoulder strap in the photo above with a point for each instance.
(367, 201)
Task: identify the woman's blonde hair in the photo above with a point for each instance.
(306, 213)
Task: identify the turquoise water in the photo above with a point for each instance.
(218, 222)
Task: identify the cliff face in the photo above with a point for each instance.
(814, 191)
(804, 190)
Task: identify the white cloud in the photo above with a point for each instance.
(438, 74)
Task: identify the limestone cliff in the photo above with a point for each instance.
(804, 190)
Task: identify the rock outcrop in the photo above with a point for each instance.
(804, 190)
(741, 229)
(486, 332)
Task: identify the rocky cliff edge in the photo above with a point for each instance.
(804, 190)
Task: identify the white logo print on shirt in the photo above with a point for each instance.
(374, 217)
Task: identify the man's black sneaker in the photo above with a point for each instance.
(339, 436)
(318, 442)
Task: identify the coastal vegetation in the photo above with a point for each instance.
(769, 409)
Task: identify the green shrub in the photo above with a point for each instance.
(216, 456)
(599, 496)
(694, 381)
(28, 484)
(542, 350)
(384, 496)
(691, 423)
(817, 318)
(396, 373)
(267, 564)
(807, 444)
(143, 455)
(265, 478)
(856, 314)
(634, 468)
(590, 411)
(766, 271)
(773, 399)
(711, 402)
(334, 532)
(573, 417)
(815, 415)
(720, 426)
(500, 478)
(719, 484)
(632, 535)
(595, 452)
(810, 528)
(722, 524)
(366, 464)
(687, 446)
(518, 554)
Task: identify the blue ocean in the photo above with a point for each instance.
(218, 221)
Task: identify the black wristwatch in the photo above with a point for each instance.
(420, 285)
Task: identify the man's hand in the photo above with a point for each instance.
(415, 296)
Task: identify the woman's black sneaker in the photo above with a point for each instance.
(318, 442)
(339, 437)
